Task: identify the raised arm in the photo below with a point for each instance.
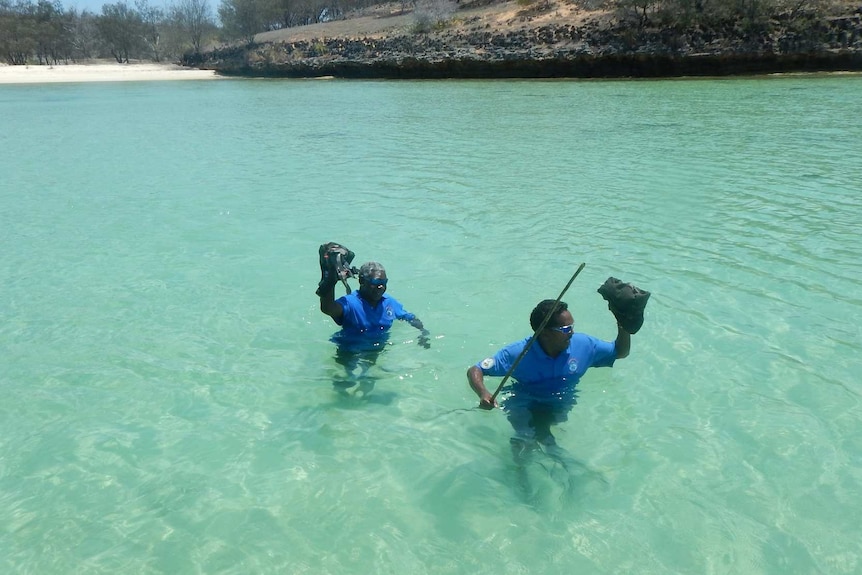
(328, 305)
(334, 262)
(623, 342)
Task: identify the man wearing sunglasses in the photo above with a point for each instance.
(365, 317)
(543, 389)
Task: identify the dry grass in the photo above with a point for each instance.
(388, 20)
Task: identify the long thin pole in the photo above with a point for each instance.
(537, 332)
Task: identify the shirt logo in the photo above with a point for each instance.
(389, 313)
(573, 365)
(487, 363)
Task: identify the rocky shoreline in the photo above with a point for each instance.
(592, 49)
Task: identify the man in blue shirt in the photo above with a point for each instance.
(543, 389)
(365, 317)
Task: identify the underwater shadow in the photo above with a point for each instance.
(548, 476)
(353, 381)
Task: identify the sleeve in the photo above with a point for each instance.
(400, 312)
(604, 353)
(499, 363)
(345, 307)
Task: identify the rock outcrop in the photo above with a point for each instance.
(594, 48)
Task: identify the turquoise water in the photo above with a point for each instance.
(165, 389)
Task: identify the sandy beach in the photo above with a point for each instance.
(99, 72)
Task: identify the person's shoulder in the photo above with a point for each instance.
(580, 339)
(388, 299)
(349, 298)
(517, 346)
(586, 341)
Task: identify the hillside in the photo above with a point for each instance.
(389, 20)
(553, 38)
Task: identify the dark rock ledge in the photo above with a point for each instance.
(592, 50)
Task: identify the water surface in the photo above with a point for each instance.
(166, 400)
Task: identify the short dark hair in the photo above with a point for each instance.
(369, 269)
(544, 309)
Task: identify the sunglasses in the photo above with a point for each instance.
(565, 329)
(377, 282)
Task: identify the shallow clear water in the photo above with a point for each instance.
(165, 391)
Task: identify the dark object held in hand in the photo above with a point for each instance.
(335, 262)
(626, 302)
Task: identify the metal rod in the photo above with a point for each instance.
(536, 333)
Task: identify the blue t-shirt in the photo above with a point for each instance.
(364, 326)
(541, 377)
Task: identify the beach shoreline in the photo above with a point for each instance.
(101, 71)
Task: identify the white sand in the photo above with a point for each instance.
(99, 72)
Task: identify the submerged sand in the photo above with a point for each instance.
(99, 72)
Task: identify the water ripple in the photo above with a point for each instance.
(167, 379)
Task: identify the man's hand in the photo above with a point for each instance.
(424, 340)
(487, 402)
(476, 379)
(626, 301)
(335, 262)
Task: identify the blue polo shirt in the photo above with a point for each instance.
(541, 377)
(364, 326)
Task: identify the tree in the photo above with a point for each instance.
(121, 28)
(430, 14)
(17, 31)
(53, 36)
(193, 17)
(151, 23)
(86, 41)
(241, 18)
(639, 10)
